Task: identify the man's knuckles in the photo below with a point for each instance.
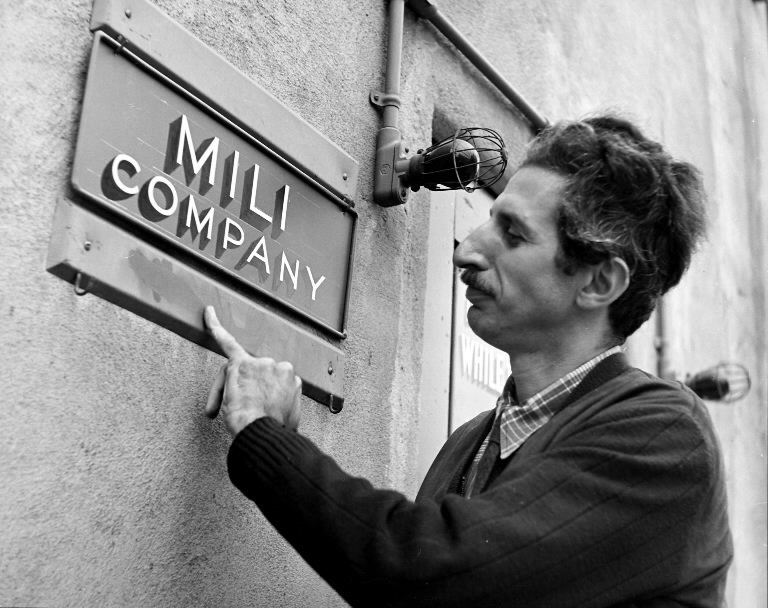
(261, 367)
(285, 368)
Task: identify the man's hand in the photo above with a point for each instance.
(247, 387)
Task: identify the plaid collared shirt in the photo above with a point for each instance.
(521, 420)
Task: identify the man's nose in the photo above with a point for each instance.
(471, 252)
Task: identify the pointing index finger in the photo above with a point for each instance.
(226, 341)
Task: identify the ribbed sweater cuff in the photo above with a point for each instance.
(262, 452)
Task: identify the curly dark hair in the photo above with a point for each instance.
(625, 197)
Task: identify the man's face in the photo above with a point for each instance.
(521, 301)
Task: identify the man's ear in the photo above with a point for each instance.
(605, 282)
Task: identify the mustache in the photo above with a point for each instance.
(471, 278)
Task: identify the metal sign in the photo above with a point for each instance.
(154, 154)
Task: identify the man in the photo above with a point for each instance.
(591, 483)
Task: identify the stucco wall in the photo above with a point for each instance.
(114, 485)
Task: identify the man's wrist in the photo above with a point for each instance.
(238, 421)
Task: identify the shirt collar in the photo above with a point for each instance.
(520, 420)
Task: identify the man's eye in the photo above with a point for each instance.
(514, 237)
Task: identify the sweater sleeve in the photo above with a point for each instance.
(606, 515)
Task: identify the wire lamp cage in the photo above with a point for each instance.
(723, 382)
(474, 157)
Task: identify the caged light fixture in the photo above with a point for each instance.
(471, 158)
(723, 382)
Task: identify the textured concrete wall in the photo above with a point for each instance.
(114, 485)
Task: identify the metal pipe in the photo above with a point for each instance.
(391, 101)
(660, 342)
(387, 189)
(427, 10)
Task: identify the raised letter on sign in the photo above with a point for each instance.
(260, 246)
(292, 272)
(211, 152)
(233, 181)
(283, 204)
(199, 225)
(152, 185)
(120, 158)
(253, 206)
(312, 280)
(228, 240)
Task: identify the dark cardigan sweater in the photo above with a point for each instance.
(618, 500)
